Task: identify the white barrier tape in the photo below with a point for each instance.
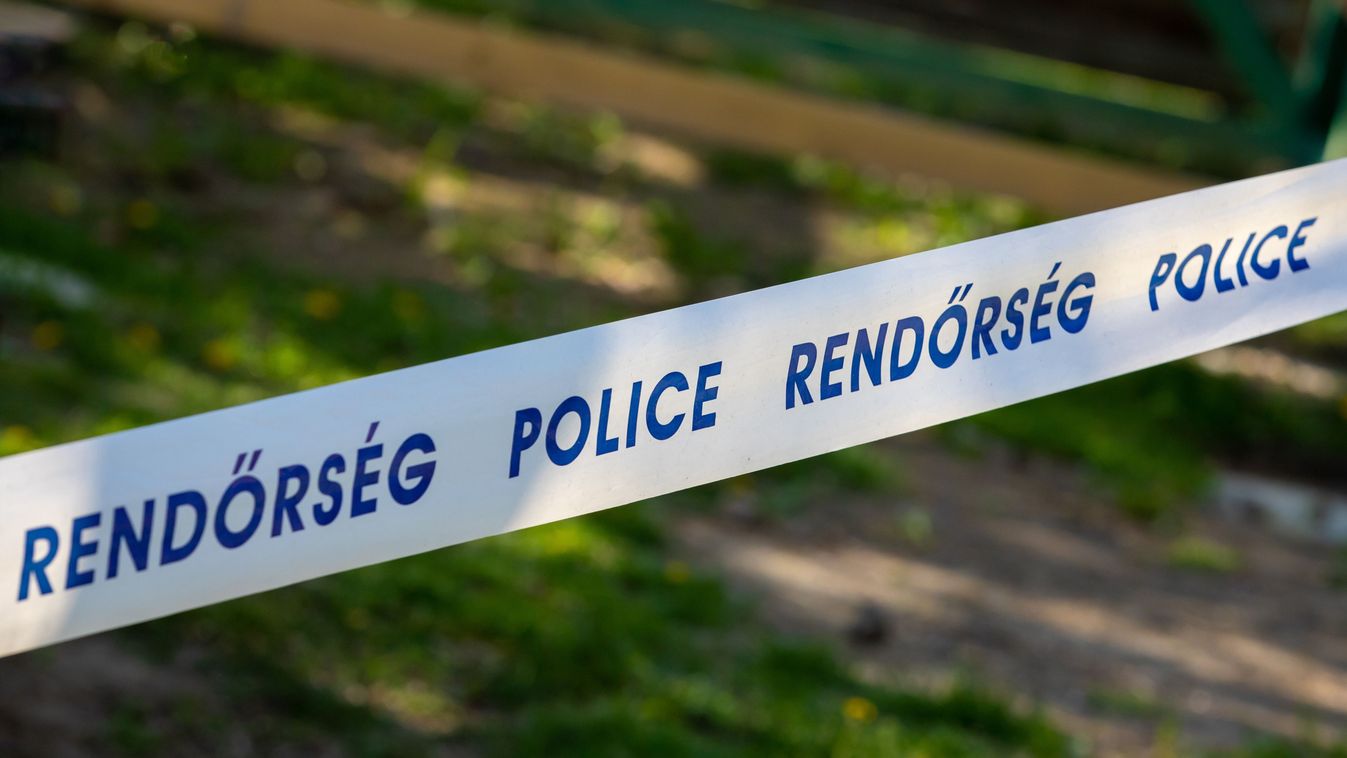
(131, 526)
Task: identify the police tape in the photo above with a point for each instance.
(131, 526)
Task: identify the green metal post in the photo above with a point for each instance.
(1336, 144)
(1247, 49)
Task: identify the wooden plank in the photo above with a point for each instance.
(702, 105)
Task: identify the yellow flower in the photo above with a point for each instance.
(15, 439)
(143, 337)
(219, 355)
(357, 618)
(142, 214)
(48, 336)
(677, 572)
(408, 305)
(65, 199)
(322, 304)
(859, 709)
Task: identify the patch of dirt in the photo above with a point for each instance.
(97, 696)
(1032, 583)
(91, 697)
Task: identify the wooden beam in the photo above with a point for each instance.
(702, 105)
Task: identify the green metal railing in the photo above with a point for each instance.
(1293, 114)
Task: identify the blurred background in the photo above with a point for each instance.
(208, 202)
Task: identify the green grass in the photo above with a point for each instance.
(698, 258)
(1128, 704)
(1152, 436)
(184, 69)
(177, 331)
(1193, 553)
(1337, 573)
(581, 633)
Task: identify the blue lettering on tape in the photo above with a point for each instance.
(663, 414)
(950, 336)
(234, 518)
(1260, 254)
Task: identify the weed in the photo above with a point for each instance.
(1127, 703)
(1200, 554)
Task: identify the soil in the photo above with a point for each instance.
(1031, 582)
